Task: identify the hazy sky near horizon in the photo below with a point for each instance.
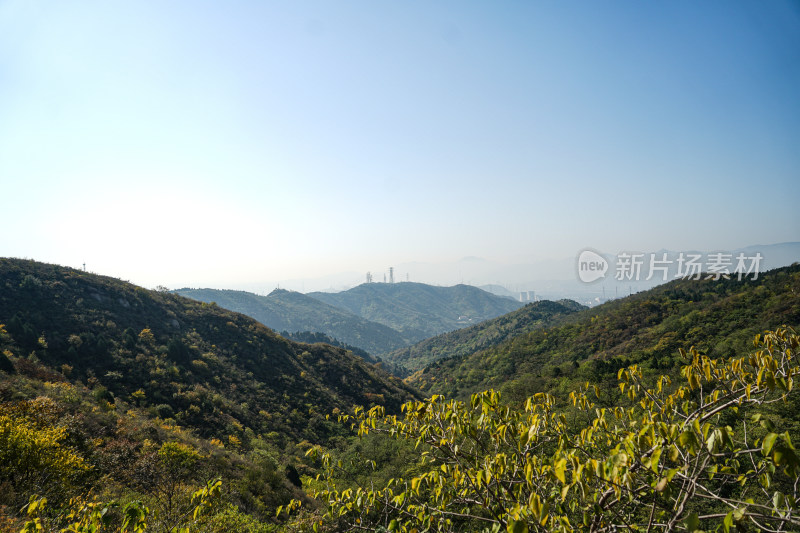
(220, 143)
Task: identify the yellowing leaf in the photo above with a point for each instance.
(559, 468)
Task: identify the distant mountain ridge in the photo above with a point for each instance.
(376, 317)
(291, 311)
(417, 310)
(498, 290)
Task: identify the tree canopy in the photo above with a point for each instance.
(702, 454)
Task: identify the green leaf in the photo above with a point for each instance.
(654, 459)
(692, 522)
(688, 440)
(768, 443)
(728, 522)
(517, 526)
(778, 500)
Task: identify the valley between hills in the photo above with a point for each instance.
(395, 407)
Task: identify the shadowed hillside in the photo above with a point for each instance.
(284, 310)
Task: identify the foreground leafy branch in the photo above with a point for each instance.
(698, 455)
(83, 516)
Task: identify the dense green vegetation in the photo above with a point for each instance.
(123, 409)
(710, 451)
(284, 310)
(69, 444)
(205, 367)
(647, 328)
(98, 375)
(605, 423)
(417, 310)
(314, 337)
(465, 341)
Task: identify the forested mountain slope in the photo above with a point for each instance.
(111, 391)
(210, 368)
(418, 310)
(716, 316)
(291, 311)
(483, 335)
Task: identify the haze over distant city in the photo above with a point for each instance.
(248, 144)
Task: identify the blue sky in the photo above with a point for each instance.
(230, 143)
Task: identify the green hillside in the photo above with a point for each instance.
(130, 394)
(291, 311)
(606, 420)
(708, 449)
(209, 368)
(314, 337)
(137, 400)
(718, 317)
(483, 335)
(418, 310)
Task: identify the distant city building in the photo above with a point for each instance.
(527, 296)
